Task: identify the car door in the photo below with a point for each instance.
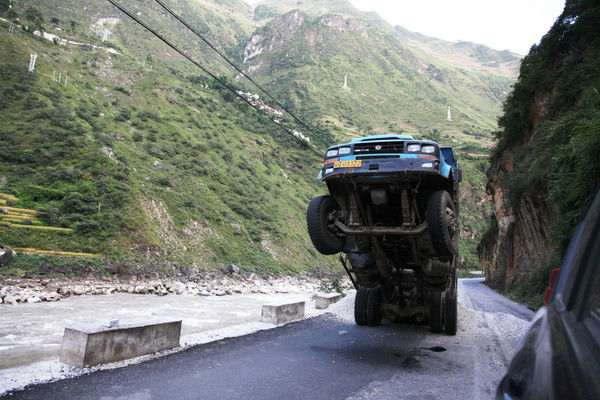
(575, 324)
(450, 158)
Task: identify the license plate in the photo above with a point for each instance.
(347, 164)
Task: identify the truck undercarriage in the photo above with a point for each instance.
(398, 235)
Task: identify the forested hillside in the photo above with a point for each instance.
(545, 168)
(140, 157)
(144, 156)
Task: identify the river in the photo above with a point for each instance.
(31, 334)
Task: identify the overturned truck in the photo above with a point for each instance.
(392, 211)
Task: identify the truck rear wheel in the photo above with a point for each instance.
(374, 296)
(450, 313)
(442, 222)
(318, 218)
(435, 312)
(450, 303)
(360, 306)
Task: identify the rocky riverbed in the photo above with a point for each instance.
(34, 290)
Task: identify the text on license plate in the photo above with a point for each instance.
(347, 164)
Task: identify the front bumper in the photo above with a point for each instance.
(384, 167)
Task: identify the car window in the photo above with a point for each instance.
(591, 299)
(573, 278)
(448, 156)
(586, 304)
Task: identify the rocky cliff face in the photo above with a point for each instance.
(544, 170)
(519, 243)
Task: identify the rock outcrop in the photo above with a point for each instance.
(519, 243)
(544, 170)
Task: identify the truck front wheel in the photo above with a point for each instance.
(318, 219)
(442, 222)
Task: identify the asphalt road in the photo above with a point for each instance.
(326, 357)
(472, 293)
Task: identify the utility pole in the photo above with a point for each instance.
(59, 76)
(345, 81)
(449, 115)
(54, 76)
(32, 59)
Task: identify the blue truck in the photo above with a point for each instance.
(392, 212)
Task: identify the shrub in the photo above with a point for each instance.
(86, 226)
(34, 15)
(123, 115)
(49, 214)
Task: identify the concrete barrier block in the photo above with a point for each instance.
(282, 313)
(324, 300)
(92, 344)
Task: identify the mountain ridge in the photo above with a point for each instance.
(459, 54)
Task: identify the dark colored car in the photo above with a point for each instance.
(560, 355)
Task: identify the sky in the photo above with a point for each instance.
(506, 24)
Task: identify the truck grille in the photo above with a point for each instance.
(378, 148)
(367, 157)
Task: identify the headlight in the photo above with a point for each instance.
(427, 165)
(328, 171)
(428, 149)
(413, 148)
(332, 153)
(344, 150)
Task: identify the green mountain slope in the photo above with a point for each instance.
(297, 55)
(150, 162)
(391, 88)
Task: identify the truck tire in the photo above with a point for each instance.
(435, 312)
(442, 223)
(360, 306)
(317, 219)
(450, 313)
(374, 296)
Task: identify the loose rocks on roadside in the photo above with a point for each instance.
(22, 290)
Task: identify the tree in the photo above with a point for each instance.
(4, 5)
(34, 15)
(12, 14)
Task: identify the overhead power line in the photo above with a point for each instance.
(238, 69)
(197, 64)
